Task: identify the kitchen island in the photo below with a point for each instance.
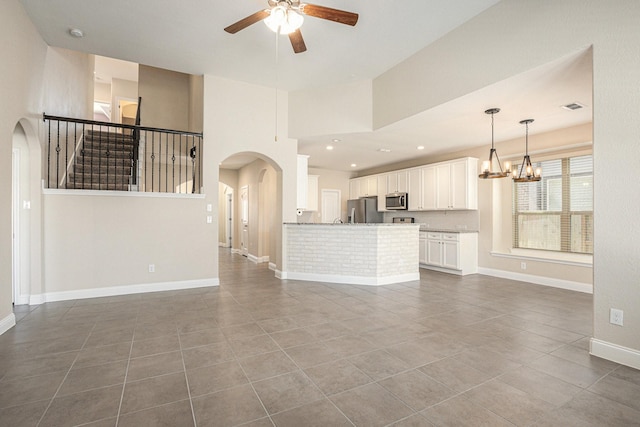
(360, 254)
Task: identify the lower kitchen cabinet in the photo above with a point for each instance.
(449, 252)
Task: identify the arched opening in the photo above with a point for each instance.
(250, 191)
(25, 215)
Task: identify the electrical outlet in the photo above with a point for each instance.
(616, 316)
(152, 268)
(523, 266)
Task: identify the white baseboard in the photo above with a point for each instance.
(258, 259)
(538, 280)
(7, 323)
(616, 353)
(350, 280)
(223, 244)
(236, 251)
(22, 300)
(281, 274)
(129, 289)
(272, 266)
(37, 299)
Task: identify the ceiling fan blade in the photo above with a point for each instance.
(249, 20)
(297, 42)
(335, 15)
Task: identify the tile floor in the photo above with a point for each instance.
(257, 351)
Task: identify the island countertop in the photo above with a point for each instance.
(362, 254)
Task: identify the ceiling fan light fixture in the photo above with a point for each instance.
(283, 21)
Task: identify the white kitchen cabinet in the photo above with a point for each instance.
(363, 187)
(450, 252)
(457, 184)
(312, 193)
(302, 181)
(415, 189)
(397, 181)
(382, 192)
(422, 248)
(429, 189)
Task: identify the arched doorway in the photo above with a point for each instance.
(25, 215)
(256, 221)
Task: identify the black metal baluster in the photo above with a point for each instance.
(153, 157)
(166, 165)
(106, 154)
(180, 162)
(49, 155)
(58, 158)
(91, 160)
(173, 163)
(75, 157)
(84, 170)
(160, 162)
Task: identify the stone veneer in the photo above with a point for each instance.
(364, 254)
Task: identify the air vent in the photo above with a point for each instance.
(573, 106)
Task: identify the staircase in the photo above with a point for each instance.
(103, 161)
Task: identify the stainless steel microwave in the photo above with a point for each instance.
(397, 201)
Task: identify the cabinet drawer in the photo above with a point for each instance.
(434, 236)
(450, 236)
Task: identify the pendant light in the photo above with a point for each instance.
(527, 173)
(488, 169)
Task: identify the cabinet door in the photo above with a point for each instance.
(422, 250)
(312, 194)
(415, 189)
(429, 189)
(382, 193)
(403, 178)
(434, 252)
(450, 254)
(459, 183)
(354, 188)
(443, 183)
(372, 186)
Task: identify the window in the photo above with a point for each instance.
(556, 213)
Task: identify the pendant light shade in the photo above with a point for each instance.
(527, 173)
(491, 169)
(283, 20)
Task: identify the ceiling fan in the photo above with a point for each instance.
(286, 16)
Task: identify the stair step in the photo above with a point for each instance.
(112, 145)
(97, 186)
(102, 161)
(105, 154)
(113, 169)
(97, 178)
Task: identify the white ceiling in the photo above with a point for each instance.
(188, 36)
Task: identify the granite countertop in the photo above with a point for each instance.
(358, 224)
(446, 230)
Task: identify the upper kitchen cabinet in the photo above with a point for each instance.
(302, 190)
(397, 181)
(457, 184)
(382, 192)
(363, 187)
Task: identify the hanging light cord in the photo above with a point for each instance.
(276, 113)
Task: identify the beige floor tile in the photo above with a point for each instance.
(154, 391)
(153, 346)
(336, 377)
(80, 408)
(619, 390)
(320, 413)
(287, 391)
(32, 389)
(459, 411)
(267, 365)
(170, 415)
(454, 374)
(228, 407)
(570, 372)
(213, 378)
(416, 389)
(251, 346)
(82, 379)
(540, 385)
(207, 355)
(379, 364)
(152, 366)
(371, 405)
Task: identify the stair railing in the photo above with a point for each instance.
(95, 155)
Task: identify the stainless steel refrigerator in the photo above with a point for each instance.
(363, 210)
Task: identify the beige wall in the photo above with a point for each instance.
(165, 98)
(329, 180)
(105, 241)
(121, 89)
(196, 101)
(228, 106)
(24, 54)
(102, 92)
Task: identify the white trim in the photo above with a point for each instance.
(223, 245)
(443, 270)
(549, 257)
(272, 266)
(616, 353)
(111, 193)
(16, 285)
(7, 323)
(37, 299)
(236, 251)
(538, 280)
(129, 289)
(21, 300)
(282, 275)
(351, 280)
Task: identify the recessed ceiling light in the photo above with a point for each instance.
(336, 140)
(75, 32)
(420, 147)
(384, 150)
(573, 106)
(353, 165)
(329, 147)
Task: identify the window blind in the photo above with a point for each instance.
(556, 213)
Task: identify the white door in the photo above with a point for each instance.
(330, 205)
(244, 218)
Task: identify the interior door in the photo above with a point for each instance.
(331, 205)
(244, 218)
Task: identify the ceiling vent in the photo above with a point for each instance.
(573, 106)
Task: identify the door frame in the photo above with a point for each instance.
(338, 193)
(15, 225)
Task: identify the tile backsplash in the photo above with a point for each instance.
(463, 220)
